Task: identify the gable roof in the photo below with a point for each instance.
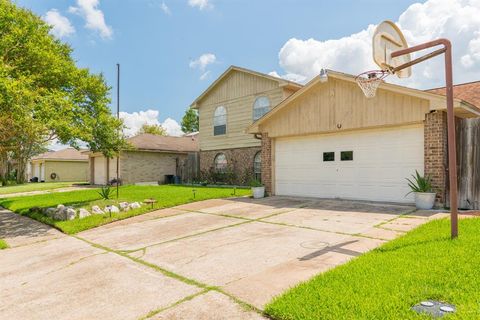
(281, 82)
(469, 91)
(68, 154)
(152, 142)
(439, 101)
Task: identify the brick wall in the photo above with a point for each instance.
(138, 166)
(240, 160)
(436, 152)
(267, 163)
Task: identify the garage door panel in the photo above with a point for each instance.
(382, 159)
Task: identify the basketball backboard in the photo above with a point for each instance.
(388, 38)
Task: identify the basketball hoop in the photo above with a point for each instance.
(370, 80)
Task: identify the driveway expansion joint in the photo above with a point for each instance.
(206, 288)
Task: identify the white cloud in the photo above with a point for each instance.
(200, 4)
(172, 127)
(457, 20)
(61, 26)
(134, 121)
(205, 75)
(202, 62)
(94, 17)
(165, 8)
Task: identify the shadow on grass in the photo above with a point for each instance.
(11, 226)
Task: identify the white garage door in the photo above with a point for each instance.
(100, 171)
(382, 159)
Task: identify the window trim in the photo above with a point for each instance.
(257, 175)
(254, 107)
(221, 170)
(223, 126)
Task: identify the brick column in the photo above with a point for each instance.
(435, 135)
(267, 163)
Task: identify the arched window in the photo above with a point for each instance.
(260, 107)
(257, 166)
(220, 121)
(220, 162)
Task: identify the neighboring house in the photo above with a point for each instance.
(63, 165)
(150, 159)
(233, 101)
(468, 160)
(327, 140)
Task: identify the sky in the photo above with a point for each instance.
(170, 51)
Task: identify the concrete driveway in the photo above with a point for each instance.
(215, 259)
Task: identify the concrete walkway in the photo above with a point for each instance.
(33, 193)
(215, 259)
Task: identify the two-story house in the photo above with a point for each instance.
(226, 108)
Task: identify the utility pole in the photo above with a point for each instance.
(118, 117)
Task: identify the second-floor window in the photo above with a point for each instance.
(220, 121)
(260, 107)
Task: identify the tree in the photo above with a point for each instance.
(152, 129)
(45, 96)
(190, 121)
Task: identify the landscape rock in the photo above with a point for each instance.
(83, 213)
(49, 212)
(60, 213)
(97, 210)
(36, 210)
(112, 209)
(134, 205)
(124, 206)
(70, 214)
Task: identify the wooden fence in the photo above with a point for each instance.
(468, 163)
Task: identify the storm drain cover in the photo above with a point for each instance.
(436, 309)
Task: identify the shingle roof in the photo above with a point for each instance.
(65, 154)
(153, 142)
(469, 92)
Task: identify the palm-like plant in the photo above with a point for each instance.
(105, 192)
(419, 183)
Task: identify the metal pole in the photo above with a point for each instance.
(118, 116)
(452, 148)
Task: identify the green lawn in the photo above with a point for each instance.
(167, 196)
(385, 283)
(3, 244)
(27, 187)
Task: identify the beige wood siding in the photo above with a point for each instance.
(67, 170)
(339, 105)
(237, 85)
(236, 93)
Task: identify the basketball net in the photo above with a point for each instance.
(370, 80)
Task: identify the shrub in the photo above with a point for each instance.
(105, 192)
(419, 183)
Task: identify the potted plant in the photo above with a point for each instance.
(422, 187)
(258, 190)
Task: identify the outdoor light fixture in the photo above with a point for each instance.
(323, 76)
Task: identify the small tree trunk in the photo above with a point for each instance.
(3, 167)
(21, 164)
